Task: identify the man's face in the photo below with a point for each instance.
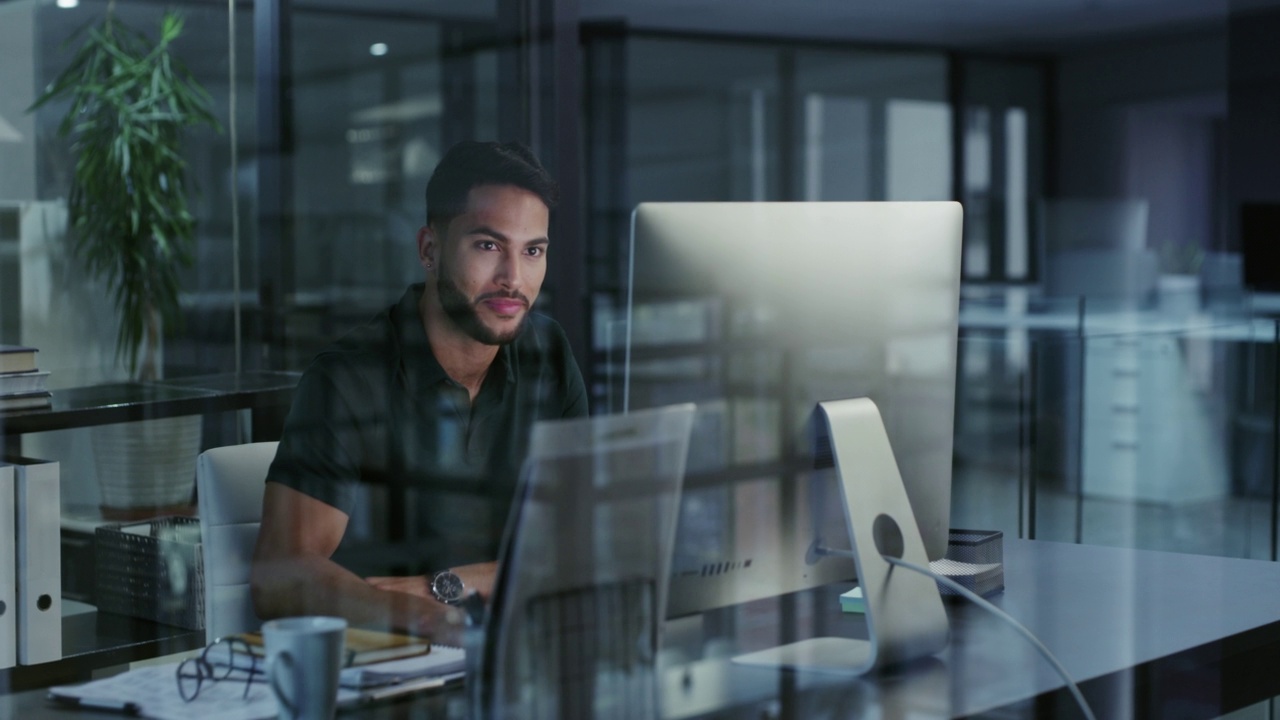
(492, 260)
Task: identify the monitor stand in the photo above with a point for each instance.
(905, 617)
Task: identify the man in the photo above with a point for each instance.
(436, 397)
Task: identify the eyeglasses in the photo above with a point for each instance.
(216, 663)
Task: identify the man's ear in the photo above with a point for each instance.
(428, 248)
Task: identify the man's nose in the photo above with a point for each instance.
(510, 275)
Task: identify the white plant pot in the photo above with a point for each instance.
(1179, 294)
(147, 464)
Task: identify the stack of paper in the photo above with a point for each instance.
(441, 661)
(153, 691)
(853, 602)
(985, 579)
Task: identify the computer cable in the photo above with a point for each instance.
(986, 605)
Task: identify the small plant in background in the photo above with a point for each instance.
(131, 102)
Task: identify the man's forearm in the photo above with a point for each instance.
(476, 577)
(313, 585)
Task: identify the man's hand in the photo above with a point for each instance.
(478, 578)
(444, 624)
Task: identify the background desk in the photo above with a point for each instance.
(1147, 634)
(1132, 406)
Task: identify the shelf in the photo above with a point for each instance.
(94, 640)
(126, 401)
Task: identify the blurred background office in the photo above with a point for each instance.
(1116, 160)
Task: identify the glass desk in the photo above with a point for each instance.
(1146, 634)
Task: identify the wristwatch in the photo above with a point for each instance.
(447, 587)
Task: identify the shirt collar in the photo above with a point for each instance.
(417, 363)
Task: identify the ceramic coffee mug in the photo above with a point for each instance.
(304, 657)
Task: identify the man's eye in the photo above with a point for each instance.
(487, 245)
(536, 251)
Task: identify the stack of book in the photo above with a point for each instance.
(22, 385)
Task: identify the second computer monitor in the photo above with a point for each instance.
(757, 311)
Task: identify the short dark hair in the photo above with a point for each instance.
(471, 164)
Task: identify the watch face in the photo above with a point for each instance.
(447, 587)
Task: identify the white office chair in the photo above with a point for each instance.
(229, 483)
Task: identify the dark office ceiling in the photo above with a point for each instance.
(963, 23)
(968, 23)
(1044, 25)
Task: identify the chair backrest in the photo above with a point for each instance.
(229, 483)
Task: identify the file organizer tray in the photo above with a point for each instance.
(152, 570)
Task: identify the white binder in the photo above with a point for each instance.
(8, 571)
(38, 515)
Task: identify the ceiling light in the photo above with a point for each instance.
(376, 49)
(68, 4)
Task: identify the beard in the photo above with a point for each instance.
(464, 314)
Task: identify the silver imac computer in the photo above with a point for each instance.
(757, 312)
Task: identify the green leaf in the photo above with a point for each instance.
(127, 98)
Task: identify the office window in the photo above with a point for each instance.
(1017, 232)
(873, 125)
(699, 120)
(837, 147)
(977, 185)
(918, 153)
(1002, 175)
(378, 98)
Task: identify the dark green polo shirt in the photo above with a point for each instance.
(376, 407)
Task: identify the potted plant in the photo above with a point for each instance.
(131, 101)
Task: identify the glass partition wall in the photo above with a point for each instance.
(1092, 406)
(49, 304)
(108, 471)
(377, 101)
(1110, 390)
(375, 93)
(693, 118)
(1125, 428)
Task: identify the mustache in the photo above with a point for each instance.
(500, 295)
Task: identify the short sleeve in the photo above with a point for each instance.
(321, 450)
